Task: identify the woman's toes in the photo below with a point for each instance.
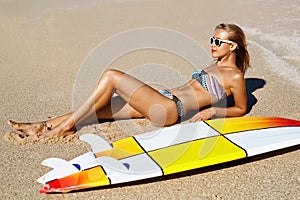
(12, 124)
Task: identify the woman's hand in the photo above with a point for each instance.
(204, 115)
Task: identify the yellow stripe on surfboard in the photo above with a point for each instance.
(199, 153)
(122, 149)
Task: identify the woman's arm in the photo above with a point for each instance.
(238, 90)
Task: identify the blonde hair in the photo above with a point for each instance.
(236, 34)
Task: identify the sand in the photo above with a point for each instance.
(45, 54)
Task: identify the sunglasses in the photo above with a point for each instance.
(218, 42)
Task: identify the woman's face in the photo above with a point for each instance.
(224, 49)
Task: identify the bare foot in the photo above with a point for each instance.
(58, 132)
(29, 129)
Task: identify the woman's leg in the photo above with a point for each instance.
(38, 128)
(142, 101)
(116, 109)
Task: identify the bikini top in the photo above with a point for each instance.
(210, 83)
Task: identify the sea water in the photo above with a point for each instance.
(274, 31)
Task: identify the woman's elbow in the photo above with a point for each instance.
(241, 111)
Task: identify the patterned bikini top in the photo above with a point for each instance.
(210, 83)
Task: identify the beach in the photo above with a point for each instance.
(52, 54)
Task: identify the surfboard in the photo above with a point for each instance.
(169, 150)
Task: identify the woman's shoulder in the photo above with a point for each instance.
(233, 72)
(232, 77)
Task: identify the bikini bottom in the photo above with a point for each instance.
(179, 104)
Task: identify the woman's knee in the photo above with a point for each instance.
(112, 75)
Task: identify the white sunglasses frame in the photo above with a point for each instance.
(213, 41)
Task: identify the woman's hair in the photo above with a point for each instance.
(237, 35)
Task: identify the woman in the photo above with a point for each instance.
(166, 107)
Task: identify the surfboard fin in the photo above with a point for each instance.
(60, 167)
(112, 163)
(96, 142)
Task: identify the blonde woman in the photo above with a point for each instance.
(135, 99)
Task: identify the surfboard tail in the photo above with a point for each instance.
(84, 179)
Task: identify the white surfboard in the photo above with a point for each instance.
(169, 150)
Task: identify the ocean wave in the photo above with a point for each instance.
(277, 64)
